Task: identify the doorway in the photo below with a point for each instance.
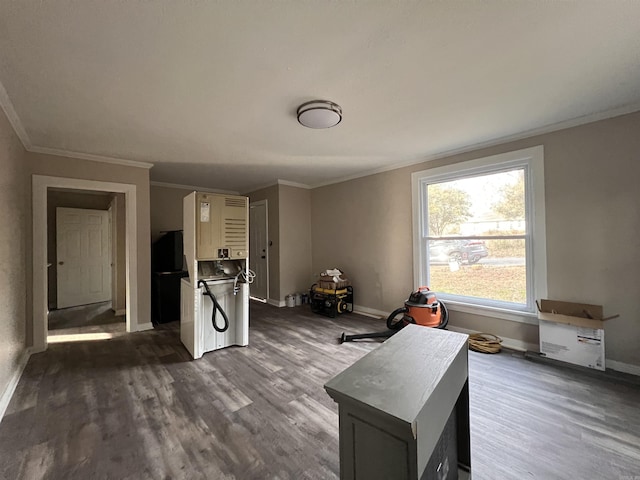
(41, 184)
(259, 249)
(84, 264)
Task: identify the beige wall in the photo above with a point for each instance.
(57, 199)
(13, 238)
(41, 164)
(363, 227)
(166, 209)
(290, 236)
(271, 195)
(592, 223)
(295, 240)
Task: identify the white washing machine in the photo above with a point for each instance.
(196, 326)
(216, 242)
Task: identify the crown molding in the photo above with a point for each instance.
(193, 188)
(574, 122)
(294, 184)
(12, 116)
(279, 182)
(89, 156)
(21, 132)
(259, 187)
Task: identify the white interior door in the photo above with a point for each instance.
(258, 249)
(83, 256)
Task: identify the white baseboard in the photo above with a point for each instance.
(622, 367)
(511, 343)
(34, 350)
(370, 312)
(521, 346)
(276, 303)
(145, 326)
(5, 398)
(120, 313)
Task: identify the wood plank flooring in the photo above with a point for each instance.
(137, 407)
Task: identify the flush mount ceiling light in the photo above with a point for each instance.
(319, 114)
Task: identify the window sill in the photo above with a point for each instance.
(485, 311)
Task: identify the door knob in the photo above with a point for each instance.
(60, 263)
(262, 256)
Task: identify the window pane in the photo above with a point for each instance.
(493, 269)
(492, 204)
(478, 224)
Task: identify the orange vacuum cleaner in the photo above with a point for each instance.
(422, 308)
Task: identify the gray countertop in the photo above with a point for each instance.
(401, 375)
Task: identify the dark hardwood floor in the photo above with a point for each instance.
(137, 407)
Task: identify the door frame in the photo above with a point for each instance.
(266, 236)
(117, 303)
(40, 185)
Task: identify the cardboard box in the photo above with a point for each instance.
(573, 332)
(327, 281)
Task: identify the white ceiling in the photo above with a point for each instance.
(207, 90)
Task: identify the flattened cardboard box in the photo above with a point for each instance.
(573, 332)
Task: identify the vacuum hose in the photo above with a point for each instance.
(445, 316)
(216, 307)
(391, 325)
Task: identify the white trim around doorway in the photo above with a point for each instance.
(40, 184)
(264, 202)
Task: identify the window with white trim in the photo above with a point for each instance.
(479, 232)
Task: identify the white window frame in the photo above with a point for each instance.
(532, 161)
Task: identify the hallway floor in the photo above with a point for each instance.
(85, 319)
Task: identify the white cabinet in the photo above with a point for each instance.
(222, 226)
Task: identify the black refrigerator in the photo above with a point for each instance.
(167, 271)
